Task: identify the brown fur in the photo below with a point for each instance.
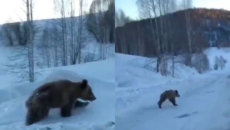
(58, 94)
(170, 95)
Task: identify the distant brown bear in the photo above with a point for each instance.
(170, 95)
(61, 94)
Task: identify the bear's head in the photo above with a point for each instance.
(87, 93)
(176, 93)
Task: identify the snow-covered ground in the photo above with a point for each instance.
(204, 103)
(99, 115)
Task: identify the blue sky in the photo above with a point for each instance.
(129, 6)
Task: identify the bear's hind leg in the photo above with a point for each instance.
(162, 99)
(35, 115)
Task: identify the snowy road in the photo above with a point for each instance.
(204, 105)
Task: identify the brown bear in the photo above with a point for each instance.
(61, 94)
(170, 95)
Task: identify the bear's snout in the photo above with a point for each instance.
(93, 98)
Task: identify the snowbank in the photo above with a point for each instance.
(132, 70)
(213, 52)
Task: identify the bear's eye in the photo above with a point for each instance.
(90, 91)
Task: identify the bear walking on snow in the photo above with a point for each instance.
(170, 95)
(61, 94)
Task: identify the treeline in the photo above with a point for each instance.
(170, 28)
(60, 42)
(99, 21)
(14, 33)
(184, 31)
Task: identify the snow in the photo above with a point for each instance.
(203, 105)
(99, 115)
(212, 52)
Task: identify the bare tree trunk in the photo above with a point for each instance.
(157, 36)
(48, 58)
(161, 22)
(55, 56)
(157, 28)
(64, 46)
(60, 7)
(172, 48)
(72, 38)
(159, 57)
(30, 40)
(24, 56)
(187, 5)
(45, 46)
(80, 31)
(188, 26)
(55, 35)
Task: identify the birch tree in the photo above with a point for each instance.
(186, 4)
(81, 36)
(23, 57)
(73, 27)
(46, 45)
(77, 31)
(171, 7)
(30, 36)
(56, 44)
(148, 8)
(60, 7)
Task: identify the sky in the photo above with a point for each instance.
(14, 10)
(130, 8)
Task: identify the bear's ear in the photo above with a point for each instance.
(84, 84)
(176, 91)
